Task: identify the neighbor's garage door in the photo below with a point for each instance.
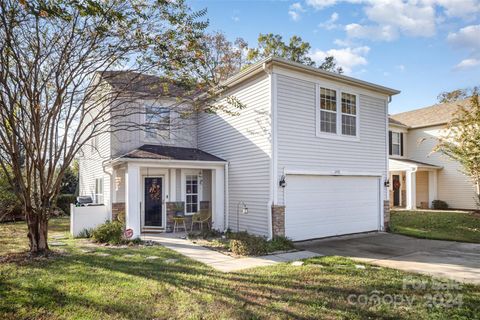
(323, 206)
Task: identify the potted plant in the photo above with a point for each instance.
(179, 212)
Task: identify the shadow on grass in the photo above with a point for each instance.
(133, 287)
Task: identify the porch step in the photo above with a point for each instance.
(152, 229)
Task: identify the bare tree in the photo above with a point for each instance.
(54, 59)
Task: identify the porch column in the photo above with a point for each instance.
(432, 187)
(132, 198)
(411, 183)
(218, 199)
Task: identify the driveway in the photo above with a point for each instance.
(448, 259)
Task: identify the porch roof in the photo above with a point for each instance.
(408, 164)
(158, 152)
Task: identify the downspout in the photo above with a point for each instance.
(111, 187)
(227, 203)
(273, 174)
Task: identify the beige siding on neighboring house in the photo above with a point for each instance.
(244, 141)
(453, 186)
(422, 187)
(299, 148)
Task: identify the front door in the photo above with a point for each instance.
(396, 190)
(153, 201)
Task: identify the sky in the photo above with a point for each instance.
(420, 47)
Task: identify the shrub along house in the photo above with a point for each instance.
(308, 157)
(418, 174)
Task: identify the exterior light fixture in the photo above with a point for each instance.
(386, 183)
(282, 182)
(244, 211)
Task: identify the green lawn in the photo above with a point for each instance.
(123, 284)
(441, 225)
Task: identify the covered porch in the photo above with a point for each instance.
(153, 185)
(413, 184)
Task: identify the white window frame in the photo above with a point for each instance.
(99, 182)
(338, 135)
(399, 144)
(199, 175)
(159, 135)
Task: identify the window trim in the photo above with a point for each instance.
(100, 183)
(401, 144)
(338, 135)
(148, 138)
(199, 175)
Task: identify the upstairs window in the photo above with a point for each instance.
(328, 110)
(338, 113)
(396, 143)
(349, 114)
(157, 122)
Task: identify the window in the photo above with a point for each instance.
(99, 190)
(349, 112)
(396, 142)
(191, 194)
(157, 122)
(338, 114)
(328, 110)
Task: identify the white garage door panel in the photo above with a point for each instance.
(323, 206)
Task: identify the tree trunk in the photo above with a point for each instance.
(37, 232)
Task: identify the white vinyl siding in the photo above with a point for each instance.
(244, 140)
(182, 133)
(300, 148)
(453, 186)
(90, 162)
(157, 121)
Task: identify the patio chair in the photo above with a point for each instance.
(203, 216)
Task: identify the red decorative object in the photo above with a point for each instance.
(128, 233)
(396, 184)
(154, 191)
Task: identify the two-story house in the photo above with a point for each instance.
(417, 174)
(306, 158)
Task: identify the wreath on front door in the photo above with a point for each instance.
(154, 191)
(396, 184)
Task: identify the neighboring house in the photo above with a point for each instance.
(417, 174)
(307, 157)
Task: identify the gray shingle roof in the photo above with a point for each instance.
(437, 114)
(143, 84)
(159, 152)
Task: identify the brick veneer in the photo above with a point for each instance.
(117, 207)
(386, 215)
(278, 220)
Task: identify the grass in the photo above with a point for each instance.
(120, 283)
(440, 225)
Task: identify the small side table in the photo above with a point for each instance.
(178, 222)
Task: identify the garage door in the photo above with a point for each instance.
(324, 206)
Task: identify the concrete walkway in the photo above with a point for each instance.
(447, 259)
(220, 261)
